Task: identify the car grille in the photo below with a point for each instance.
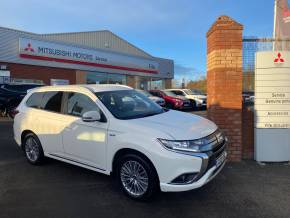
(215, 149)
(215, 154)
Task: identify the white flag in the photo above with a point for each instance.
(282, 20)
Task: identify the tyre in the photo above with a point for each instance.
(170, 106)
(193, 105)
(137, 177)
(33, 149)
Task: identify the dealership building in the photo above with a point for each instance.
(96, 57)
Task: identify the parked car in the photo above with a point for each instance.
(156, 99)
(196, 98)
(11, 95)
(248, 97)
(198, 92)
(172, 101)
(2, 105)
(18, 88)
(147, 148)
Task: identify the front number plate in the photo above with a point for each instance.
(221, 159)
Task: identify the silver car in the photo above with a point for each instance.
(156, 99)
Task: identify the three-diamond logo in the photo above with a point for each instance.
(29, 48)
(279, 59)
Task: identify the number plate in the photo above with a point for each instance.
(221, 159)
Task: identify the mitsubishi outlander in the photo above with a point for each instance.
(114, 129)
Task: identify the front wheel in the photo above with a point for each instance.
(193, 105)
(170, 105)
(137, 177)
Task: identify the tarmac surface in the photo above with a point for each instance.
(57, 189)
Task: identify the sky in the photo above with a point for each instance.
(173, 29)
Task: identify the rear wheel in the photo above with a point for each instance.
(136, 177)
(33, 149)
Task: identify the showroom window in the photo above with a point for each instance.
(157, 84)
(97, 78)
(143, 83)
(117, 79)
(106, 78)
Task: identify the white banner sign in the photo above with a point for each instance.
(272, 90)
(49, 51)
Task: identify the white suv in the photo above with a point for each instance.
(198, 100)
(114, 129)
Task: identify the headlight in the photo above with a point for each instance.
(189, 146)
(199, 145)
(220, 137)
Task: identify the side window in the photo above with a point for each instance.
(34, 100)
(160, 94)
(52, 101)
(78, 104)
(176, 92)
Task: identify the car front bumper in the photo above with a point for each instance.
(207, 177)
(201, 104)
(211, 163)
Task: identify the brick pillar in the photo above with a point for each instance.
(81, 77)
(224, 81)
(131, 81)
(168, 83)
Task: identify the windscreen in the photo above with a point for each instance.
(129, 104)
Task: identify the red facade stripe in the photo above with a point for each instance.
(86, 63)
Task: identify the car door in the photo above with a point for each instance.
(47, 121)
(84, 142)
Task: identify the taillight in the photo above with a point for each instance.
(13, 113)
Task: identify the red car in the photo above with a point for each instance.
(172, 101)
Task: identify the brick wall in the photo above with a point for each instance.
(248, 132)
(224, 81)
(23, 71)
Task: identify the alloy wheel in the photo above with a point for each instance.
(134, 178)
(32, 149)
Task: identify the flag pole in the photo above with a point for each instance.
(275, 23)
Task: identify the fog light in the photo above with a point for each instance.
(183, 179)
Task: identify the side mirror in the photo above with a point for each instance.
(91, 116)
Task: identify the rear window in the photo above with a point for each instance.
(52, 101)
(34, 100)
